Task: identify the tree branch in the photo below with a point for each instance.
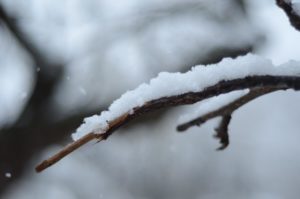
(290, 12)
(251, 82)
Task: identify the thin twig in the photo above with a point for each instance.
(279, 82)
(227, 109)
(225, 112)
(99, 136)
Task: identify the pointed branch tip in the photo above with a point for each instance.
(67, 150)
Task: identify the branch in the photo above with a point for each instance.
(250, 82)
(68, 149)
(290, 12)
(225, 112)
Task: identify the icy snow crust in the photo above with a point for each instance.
(195, 80)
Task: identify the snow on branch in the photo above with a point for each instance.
(292, 10)
(174, 89)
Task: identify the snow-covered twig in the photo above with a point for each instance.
(292, 10)
(174, 89)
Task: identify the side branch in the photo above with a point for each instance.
(226, 113)
(227, 109)
(250, 82)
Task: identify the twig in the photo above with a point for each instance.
(225, 112)
(65, 151)
(227, 109)
(279, 82)
(78, 143)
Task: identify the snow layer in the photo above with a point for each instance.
(195, 80)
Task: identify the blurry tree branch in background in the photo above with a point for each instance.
(225, 113)
(33, 129)
(290, 12)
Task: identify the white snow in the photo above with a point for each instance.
(195, 80)
(8, 175)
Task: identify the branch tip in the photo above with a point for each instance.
(67, 150)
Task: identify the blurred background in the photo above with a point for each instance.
(63, 60)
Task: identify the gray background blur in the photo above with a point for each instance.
(62, 60)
